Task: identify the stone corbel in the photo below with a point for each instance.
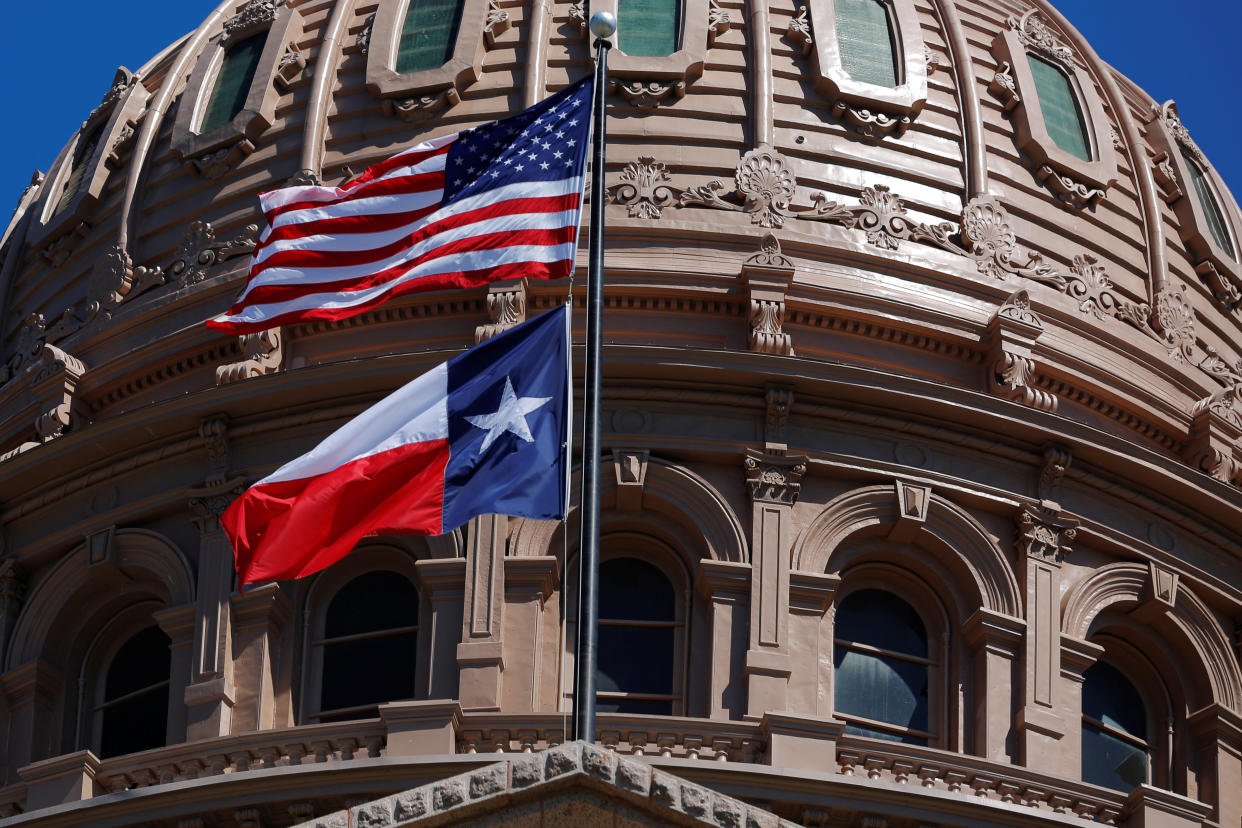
(1215, 444)
(54, 381)
(768, 275)
(912, 504)
(774, 478)
(1162, 170)
(506, 307)
(1011, 336)
(1045, 535)
(263, 351)
(630, 466)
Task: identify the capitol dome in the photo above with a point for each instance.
(922, 433)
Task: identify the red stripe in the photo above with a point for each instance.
(345, 225)
(381, 168)
(296, 527)
(402, 185)
(437, 281)
(270, 294)
(342, 258)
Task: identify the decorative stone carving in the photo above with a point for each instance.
(1002, 86)
(774, 478)
(779, 402)
(1215, 444)
(1089, 283)
(416, 109)
(768, 275)
(718, 21)
(1162, 585)
(54, 381)
(1036, 35)
(290, 65)
(1057, 461)
(933, 60)
(62, 247)
(1173, 123)
(1066, 188)
(578, 18)
(120, 145)
(800, 31)
(1223, 291)
(870, 123)
(1011, 335)
(199, 252)
(215, 164)
(506, 307)
(1173, 318)
(648, 94)
(496, 23)
(363, 41)
(630, 466)
(987, 235)
(1046, 535)
(764, 182)
(912, 505)
(303, 178)
(1115, 137)
(263, 352)
(1166, 177)
(215, 434)
(253, 14)
(643, 188)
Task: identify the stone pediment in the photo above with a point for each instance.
(571, 784)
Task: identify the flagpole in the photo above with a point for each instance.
(603, 24)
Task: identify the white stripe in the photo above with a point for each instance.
(368, 206)
(473, 260)
(415, 413)
(308, 273)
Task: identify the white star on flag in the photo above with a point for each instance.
(511, 416)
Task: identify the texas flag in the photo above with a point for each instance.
(485, 432)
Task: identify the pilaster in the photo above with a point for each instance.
(260, 618)
(480, 659)
(443, 582)
(995, 641)
(529, 583)
(31, 691)
(1217, 731)
(178, 624)
(726, 586)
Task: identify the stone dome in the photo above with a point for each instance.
(917, 297)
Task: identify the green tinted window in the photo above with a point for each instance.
(1062, 114)
(1211, 209)
(865, 34)
(82, 154)
(649, 28)
(428, 34)
(233, 82)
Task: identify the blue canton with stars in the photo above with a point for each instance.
(547, 142)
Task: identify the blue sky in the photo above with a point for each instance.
(1187, 51)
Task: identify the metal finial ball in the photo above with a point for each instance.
(603, 24)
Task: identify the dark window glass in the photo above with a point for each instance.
(637, 637)
(882, 671)
(233, 82)
(649, 28)
(428, 34)
(868, 47)
(1209, 204)
(135, 703)
(369, 645)
(1062, 115)
(76, 179)
(1114, 730)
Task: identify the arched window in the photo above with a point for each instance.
(1211, 207)
(865, 34)
(1062, 113)
(1115, 750)
(133, 711)
(649, 28)
(232, 84)
(428, 34)
(82, 155)
(883, 669)
(636, 671)
(367, 647)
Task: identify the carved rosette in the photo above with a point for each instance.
(987, 235)
(1174, 320)
(1045, 535)
(764, 182)
(774, 478)
(644, 188)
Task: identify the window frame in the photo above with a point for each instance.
(100, 654)
(327, 584)
(259, 111)
(910, 589)
(122, 106)
(1053, 164)
(856, 102)
(1144, 677)
(464, 66)
(679, 68)
(1168, 137)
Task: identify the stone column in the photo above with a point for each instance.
(774, 480)
(726, 586)
(810, 639)
(443, 581)
(530, 671)
(1044, 539)
(210, 695)
(260, 617)
(1077, 655)
(480, 660)
(178, 624)
(995, 641)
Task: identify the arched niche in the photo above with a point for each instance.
(955, 540)
(669, 501)
(1175, 616)
(93, 582)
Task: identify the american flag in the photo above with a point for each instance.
(499, 201)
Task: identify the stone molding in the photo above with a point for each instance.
(767, 276)
(1011, 336)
